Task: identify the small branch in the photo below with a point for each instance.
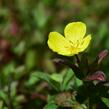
(66, 62)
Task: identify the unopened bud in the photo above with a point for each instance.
(102, 55)
(98, 75)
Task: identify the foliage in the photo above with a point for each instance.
(32, 76)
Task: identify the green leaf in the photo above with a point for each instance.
(51, 98)
(20, 48)
(51, 106)
(38, 37)
(78, 82)
(22, 5)
(103, 30)
(3, 96)
(57, 77)
(20, 98)
(9, 68)
(1, 104)
(40, 16)
(20, 71)
(30, 60)
(5, 108)
(67, 79)
(105, 101)
(3, 17)
(13, 89)
(50, 2)
(48, 79)
(32, 80)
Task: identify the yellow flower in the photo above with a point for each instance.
(73, 42)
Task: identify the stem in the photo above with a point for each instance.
(77, 58)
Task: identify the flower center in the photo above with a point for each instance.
(75, 44)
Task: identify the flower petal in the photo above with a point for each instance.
(75, 31)
(59, 44)
(85, 43)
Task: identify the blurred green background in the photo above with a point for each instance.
(24, 29)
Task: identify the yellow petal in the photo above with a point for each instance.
(59, 44)
(75, 31)
(85, 43)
